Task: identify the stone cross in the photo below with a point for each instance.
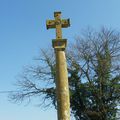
(62, 87)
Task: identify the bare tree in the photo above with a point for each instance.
(94, 76)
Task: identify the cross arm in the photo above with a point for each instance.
(50, 24)
(65, 23)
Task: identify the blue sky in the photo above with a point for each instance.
(23, 32)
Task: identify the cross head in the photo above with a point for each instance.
(58, 23)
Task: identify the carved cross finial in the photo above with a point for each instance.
(58, 23)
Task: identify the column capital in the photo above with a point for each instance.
(59, 44)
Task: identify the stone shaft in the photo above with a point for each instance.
(63, 102)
